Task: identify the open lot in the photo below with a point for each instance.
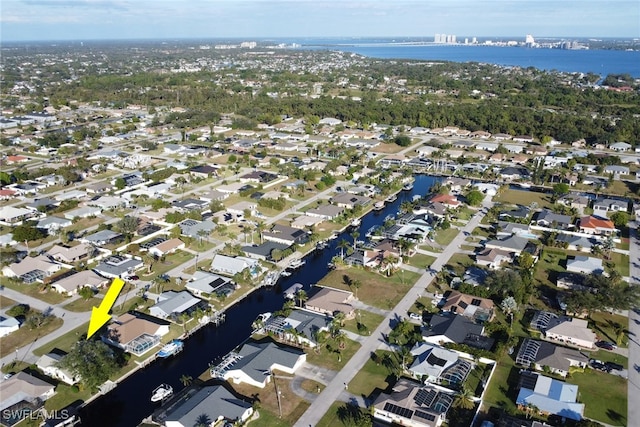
(376, 290)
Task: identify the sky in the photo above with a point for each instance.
(44, 20)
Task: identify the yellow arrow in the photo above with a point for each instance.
(100, 315)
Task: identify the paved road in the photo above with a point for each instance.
(633, 384)
(336, 386)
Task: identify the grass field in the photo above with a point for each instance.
(25, 336)
(6, 302)
(604, 396)
(368, 319)
(33, 290)
(522, 197)
(421, 261)
(444, 237)
(371, 378)
(376, 290)
(329, 357)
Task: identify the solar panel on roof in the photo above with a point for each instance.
(425, 416)
(425, 397)
(398, 410)
(475, 301)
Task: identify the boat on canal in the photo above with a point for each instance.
(378, 206)
(171, 348)
(161, 392)
(296, 263)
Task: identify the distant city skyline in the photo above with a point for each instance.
(32, 20)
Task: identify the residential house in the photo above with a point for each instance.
(541, 354)
(476, 308)
(450, 328)
(436, 364)
(286, 235)
(8, 325)
(414, 404)
(167, 247)
(48, 364)
(10, 215)
(231, 266)
(256, 361)
(577, 243)
(215, 402)
(69, 285)
(573, 281)
(512, 173)
(575, 201)
(603, 205)
(102, 238)
(326, 212)
(53, 224)
(83, 212)
(549, 219)
(190, 204)
(549, 396)
(620, 146)
(506, 229)
(330, 301)
(203, 282)
(349, 201)
(306, 221)
(520, 213)
(493, 258)
(71, 254)
(135, 332)
(512, 244)
(570, 330)
(194, 228)
(584, 264)
(596, 225)
(118, 266)
(20, 391)
(203, 171)
(32, 269)
(616, 170)
(448, 200)
(239, 209)
(172, 304)
(265, 250)
(301, 326)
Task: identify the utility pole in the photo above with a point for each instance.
(275, 384)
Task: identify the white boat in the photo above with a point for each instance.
(285, 273)
(297, 263)
(356, 222)
(378, 206)
(171, 348)
(161, 392)
(391, 198)
(408, 186)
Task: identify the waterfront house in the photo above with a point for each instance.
(512, 173)
(538, 354)
(436, 364)
(286, 235)
(215, 402)
(326, 212)
(603, 205)
(547, 218)
(172, 304)
(330, 301)
(549, 396)
(264, 251)
(231, 266)
(23, 390)
(135, 332)
(48, 364)
(577, 243)
(69, 285)
(301, 326)
(256, 362)
(203, 282)
(414, 404)
(349, 201)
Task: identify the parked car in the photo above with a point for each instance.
(415, 316)
(599, 365)
(614, 366)
(606, 345)
(134, 277)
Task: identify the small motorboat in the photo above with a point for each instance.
(161, 392)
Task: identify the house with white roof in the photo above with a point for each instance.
(48, 364)
(174, 304)
(8, 325)
(23, 388)
(70, 285)
(10, 215)
(436, 364)
(585, 265)
(32, 269)
(71, 254)
(570, 330)
(230, 266)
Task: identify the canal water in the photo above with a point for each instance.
(129, 402)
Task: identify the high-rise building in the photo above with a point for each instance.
(437, 38)
(529, 40)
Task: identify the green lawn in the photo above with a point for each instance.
(621, 263)
(520, 197)
(329, 358)
(501, 390)
(81, 304)
(376, 289)
(65, 342)
(33, 290)
(371, 378)
(604, 325)
(25, 336)
(444, 237)
(331, 418)
(6, 302)
(368, 319)
(604, 396)
(421, 261)
(161, 267)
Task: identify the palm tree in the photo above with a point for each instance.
(355, 234)
(203, 420)
(186, 379)
(355, 284)
(464, 399)
(260, 227)
(301, 296)
(342, 245)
